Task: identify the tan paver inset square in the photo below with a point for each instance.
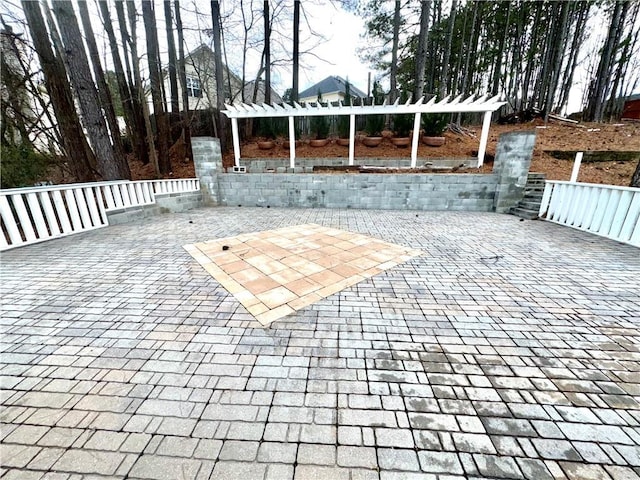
(276, 272)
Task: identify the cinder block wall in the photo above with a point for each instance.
(369, 191)
(471, 192)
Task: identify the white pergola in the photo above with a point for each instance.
(483, 104)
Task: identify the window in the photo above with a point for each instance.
(193, 87)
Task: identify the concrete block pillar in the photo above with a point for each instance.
(511, 165)
(207, 159)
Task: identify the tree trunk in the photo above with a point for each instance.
(182, 77)
(217, 45)
(103, 90)
(110, 167)
(267, 53)
(134, 121)
(59, 90)
(498, 66)
(447, 51)
(635, 178)
(393, 91)
(578, 37)
(596, 100)
(140, 96)
(171, 46)
(153, 56)
(560, 41)
(421, 54)
(296, 51)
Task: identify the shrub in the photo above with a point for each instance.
(21, 166)
(320, 127)
(434, 124)
(402, 124)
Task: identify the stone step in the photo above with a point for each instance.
(535, 206)
(524, 213)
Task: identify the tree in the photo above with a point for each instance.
(393, 93)
(171, 46)
(217, 45)
(296, 51)
(109, 166)
(421, 54)
(103, 90)
(153, 56)
(79, 155)
(182, 77)
(126, 88)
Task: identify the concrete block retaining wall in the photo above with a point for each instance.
(285, 188)
(165, 203)
(368, 191)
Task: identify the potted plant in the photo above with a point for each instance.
(375, 123)
(434, 125)
(402, 124)
(320, 129)
(266, 134)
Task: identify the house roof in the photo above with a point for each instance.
(331, 84)
(248, 92)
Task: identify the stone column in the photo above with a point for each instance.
(511, 166)
(207, 160)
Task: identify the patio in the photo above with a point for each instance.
(507, 349)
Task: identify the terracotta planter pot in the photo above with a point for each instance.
(433, 141)
(287, 144)
(401, 142)
(344, 142)
(319, 143)
(266, 145)
(372, 141)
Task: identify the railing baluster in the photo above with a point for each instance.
(124, 192)
(73, 210)
(108, 196)
(632, 219)
(9, 221)
(36, 214)
(61, 211)
(612, 205)
(82, 206)
(52, 221)
(23, 216)
(93, 207)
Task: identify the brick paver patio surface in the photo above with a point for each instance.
(507, 349)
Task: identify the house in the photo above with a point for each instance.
(201, 82)
(631, 110)
(332, 88)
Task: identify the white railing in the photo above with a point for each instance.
(607, 210)
(36, 214)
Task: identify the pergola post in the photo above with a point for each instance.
(236, 141)
(292, 143)
(352, 138)
(415, 140)
(484, 137)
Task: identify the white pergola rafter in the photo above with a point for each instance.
(446, 105)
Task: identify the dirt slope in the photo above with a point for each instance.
(555, 135)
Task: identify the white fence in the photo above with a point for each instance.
(31, 215)
(607, 210)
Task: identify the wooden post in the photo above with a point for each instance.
(415, 140)
(484, 137)
(236, 141)
(352, 138)
(292, 143)
(576, 167)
